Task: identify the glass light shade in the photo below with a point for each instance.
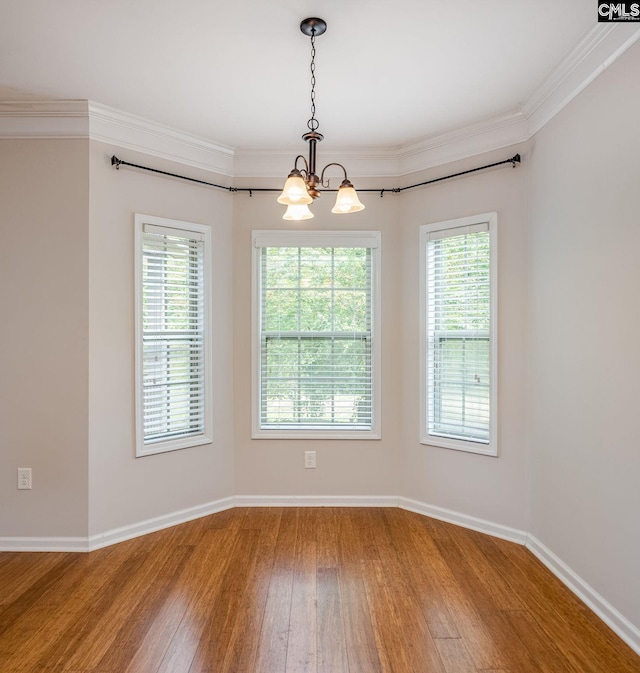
(347, 201)
(295, 191)
(298, 212)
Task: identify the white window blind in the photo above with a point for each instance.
(459, 354)
(172, 350)
(316, 358)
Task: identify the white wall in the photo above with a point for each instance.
(44, 206)
(344, 467)
(480, 486)
(584, 332)
(124, 490)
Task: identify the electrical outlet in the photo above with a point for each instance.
(309, 459)
(24, 477)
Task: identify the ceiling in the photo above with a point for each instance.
(237, 73)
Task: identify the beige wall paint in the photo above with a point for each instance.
(44, 209)
(584, 327)
(344, 467)
(480, 486)
(123, 489)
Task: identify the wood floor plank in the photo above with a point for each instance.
(274, 635)
(369, 536)
(154, 644)
(19, 571)
(327, 539)
(360, 638)
(285, 551)
(45, 583)
(389, 547)
(455, 656)
(229, 519)
(267, 521)
(332, 646)
(540, 647)
(152, 598)
(403, 639)
(49, 612)
(198, 586)
(224, 611)
(121, 601)
(84, 597)
(422, 579)
(302, 643)
(468, 621)
(483, 599)
(243, 645)
(501, 594)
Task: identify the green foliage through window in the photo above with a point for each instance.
(315, 340)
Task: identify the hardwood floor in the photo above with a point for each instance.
(293, 590)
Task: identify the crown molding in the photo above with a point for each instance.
(128, 131)
(44, 119)
(478, 138)
(87, 119)
(596, 51)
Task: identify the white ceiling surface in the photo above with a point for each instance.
(389, 73)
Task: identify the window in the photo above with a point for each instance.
(172, 335)
(459, 336)
(316, 350)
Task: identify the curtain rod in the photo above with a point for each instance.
(515, 159)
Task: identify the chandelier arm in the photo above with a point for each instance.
(334, 163)
(305, 170)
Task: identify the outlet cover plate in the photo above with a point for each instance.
(24, 478)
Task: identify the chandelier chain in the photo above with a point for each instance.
(313, 122)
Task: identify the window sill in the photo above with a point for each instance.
(316, 434)
(152, 449)
(461, 445)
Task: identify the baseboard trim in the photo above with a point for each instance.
(158, 523)
(56, 544)
(601, 607)
(91, 543)
(464, 520)
(316, 501)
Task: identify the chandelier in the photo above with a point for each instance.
(302, 185)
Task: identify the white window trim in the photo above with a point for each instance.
(490, 449)
(163, 446)
(331, 239)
